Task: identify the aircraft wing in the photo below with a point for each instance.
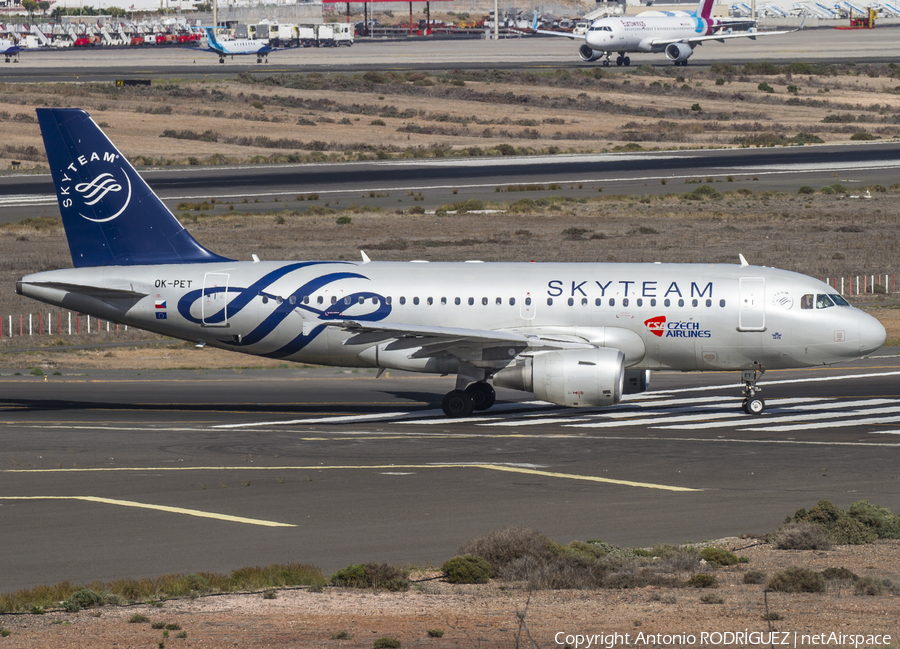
(425, 341)
(719, 37)
(566, 34)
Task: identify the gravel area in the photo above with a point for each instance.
(503, 614)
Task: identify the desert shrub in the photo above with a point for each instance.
(806, 189)
(416, 209)
(343, 220)
(797, 580)
(849, 531)
(138, 618)
(719, 556)
(765, 87)
(82, 598)
(505, 546)
(435, 633)
(372, 575)
(386, 643)
(862, 135)
(467, 570)
(801, 535)
(557, 573)
(703, 580)
(755, 577)
(712, 598)
(704, 191)
(839, 574)
(879, 519)
(868, 586)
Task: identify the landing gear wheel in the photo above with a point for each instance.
(626, 61)
(482, 395)
(755, 406)
(457, 404)
(221, 59)
(620, 61)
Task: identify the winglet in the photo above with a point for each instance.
(365, 257)
(743, 261)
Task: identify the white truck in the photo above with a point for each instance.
(306, 35)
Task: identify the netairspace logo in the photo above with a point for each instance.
(721, 638)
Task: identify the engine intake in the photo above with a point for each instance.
(574, 378)
(588, 54)
(678, 52)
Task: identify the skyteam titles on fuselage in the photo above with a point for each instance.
(648, 288)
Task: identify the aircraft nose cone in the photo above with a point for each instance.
(871, 335)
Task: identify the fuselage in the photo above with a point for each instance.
(640, 33)
(663, 316)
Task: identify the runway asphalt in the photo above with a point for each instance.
(128, 474)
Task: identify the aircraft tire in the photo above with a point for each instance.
(482, 395)
(620, 61)
(754, 406)
(457, 404)
(626, 61)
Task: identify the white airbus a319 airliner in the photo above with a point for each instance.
(676, 33)
(573, 334)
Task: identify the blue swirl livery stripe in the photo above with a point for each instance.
(284, 309)
(245, 296)
(333, 312)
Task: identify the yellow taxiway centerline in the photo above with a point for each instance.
(491, 467)
(161, 508)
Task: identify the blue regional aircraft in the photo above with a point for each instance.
(238, 46)
(574, 334)
(9, 49)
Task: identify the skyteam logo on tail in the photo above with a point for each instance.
(105, 187)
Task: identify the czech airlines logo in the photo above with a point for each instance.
(657, 325)
(109, 190)
(660, 327)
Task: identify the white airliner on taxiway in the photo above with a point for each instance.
(237, 47)
(676, 33)
(573, 334)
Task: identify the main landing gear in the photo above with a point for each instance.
(461, 403)
(752, 404)
(260, 57)
(620, 60)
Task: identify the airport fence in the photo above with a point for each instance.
(60, 323)
(864, 284)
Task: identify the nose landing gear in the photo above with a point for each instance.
(752, 404)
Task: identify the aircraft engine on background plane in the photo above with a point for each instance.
(572, 377)
(588, 54)
(679, 52)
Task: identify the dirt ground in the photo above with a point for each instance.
(505, 614)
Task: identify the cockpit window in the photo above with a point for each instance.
(823, 301)
(840, 301)
(806, 302)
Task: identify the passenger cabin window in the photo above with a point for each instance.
(456, 301)
(362, 300)
(640, 302)
(512, 301)
(823, 301)
(388, 300)
(571, 301)
(612, 301)
(292, 299)
(402, 300)
(416, 301)
(471, 301)
(806, 302)
(499, 301)
(334, 299)
(549, 301)
(430, 301)
(624, 301)
(527, 301)
(667, 302)
(444, 301)
(484, 301)
(722, 303)
(319, 300)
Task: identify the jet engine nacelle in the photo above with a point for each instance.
(678, 52)
(572, 377)
(587, 54)
(636, 381)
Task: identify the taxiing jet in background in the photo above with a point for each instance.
(676, 33)
(238, 47)
(574, 334)
(9, 50)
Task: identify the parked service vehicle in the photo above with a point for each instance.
(343, 34)
(306, 35)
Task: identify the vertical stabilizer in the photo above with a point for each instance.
(704, 9)
(111, 216)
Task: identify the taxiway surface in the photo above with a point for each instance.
(127, 474)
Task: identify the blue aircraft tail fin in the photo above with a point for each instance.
(111, 216)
